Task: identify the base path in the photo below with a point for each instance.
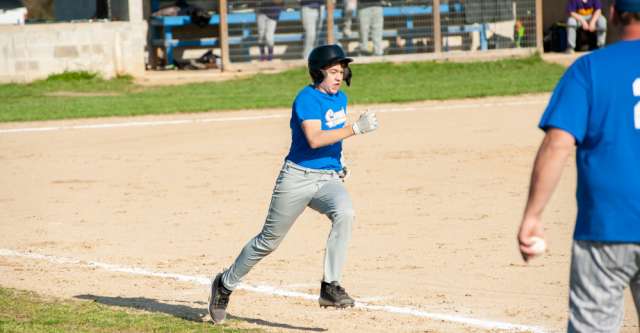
(140, 212)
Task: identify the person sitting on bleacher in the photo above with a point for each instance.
(585, 14)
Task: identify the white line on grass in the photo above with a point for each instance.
(263, 289)
(259, 117)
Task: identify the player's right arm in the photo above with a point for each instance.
(565, 122)
(552, 155)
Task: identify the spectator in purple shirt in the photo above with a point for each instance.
(267, 16)
(585, 14)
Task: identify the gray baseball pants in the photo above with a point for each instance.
(599, 274)
(312, 25)
(572, 27)
(371, 20)
(266, 30)
(297, 188)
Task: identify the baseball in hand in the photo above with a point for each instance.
(538, 245)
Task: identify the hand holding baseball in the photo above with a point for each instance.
(532, 247)
(537, 245)
(366, 123)
(530, 238)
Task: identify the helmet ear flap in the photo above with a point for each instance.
(347, 75)
(317, 76)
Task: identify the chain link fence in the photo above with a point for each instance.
(275, 30)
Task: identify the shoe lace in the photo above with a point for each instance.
(222, 299)
(340, 291)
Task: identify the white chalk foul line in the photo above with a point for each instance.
(461, 106)
(139, 124)
(263, 289)
(260, 117)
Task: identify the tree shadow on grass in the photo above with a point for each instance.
(183, 311)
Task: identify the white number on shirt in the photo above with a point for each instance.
(636, 109)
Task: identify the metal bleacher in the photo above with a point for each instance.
(162, 34)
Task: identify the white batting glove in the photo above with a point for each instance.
(366, 123)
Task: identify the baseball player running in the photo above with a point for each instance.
(312, 176)
(596, 107)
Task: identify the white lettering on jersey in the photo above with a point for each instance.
(335, 118)
(636, 109)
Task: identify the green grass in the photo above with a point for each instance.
(81, 95)
(22, 311)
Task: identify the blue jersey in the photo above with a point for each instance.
(598, 102)
(331, 110)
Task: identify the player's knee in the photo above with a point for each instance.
(343, 216)
(572, 22)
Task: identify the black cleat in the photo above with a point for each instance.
(218, 300)
(332, 294)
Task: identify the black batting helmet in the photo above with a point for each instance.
(327, 55)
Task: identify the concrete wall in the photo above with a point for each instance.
(31, 52)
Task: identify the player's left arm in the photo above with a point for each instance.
(552, 155)
(317, 137)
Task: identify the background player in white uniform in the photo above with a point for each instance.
(596, 107)
(310, 177)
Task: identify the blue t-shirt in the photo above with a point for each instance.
(598, 102)
(331, 110)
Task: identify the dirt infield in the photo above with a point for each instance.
(438, 192)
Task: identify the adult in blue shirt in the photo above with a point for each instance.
(596, 107)
(312, 176)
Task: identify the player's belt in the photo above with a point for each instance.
(291, 165)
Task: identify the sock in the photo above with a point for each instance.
(261, 52)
